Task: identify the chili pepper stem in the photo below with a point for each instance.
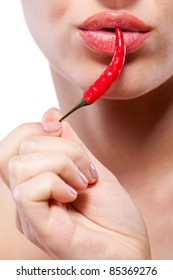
(80, 104)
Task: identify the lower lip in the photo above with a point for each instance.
(103, 42)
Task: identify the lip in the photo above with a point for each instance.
(97, 31)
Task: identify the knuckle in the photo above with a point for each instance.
(66, 165)
(20, 196)
(16, 165)
(50, 178)
(24, 129)
(27, 146)
(27, 129)
(78, 151)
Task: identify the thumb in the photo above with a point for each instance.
(53, 115)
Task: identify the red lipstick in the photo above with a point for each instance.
(98, 31)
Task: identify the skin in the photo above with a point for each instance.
(135, 130)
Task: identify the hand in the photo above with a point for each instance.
(100, 221)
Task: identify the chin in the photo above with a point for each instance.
(121, 92)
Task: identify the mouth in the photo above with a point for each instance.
(98, 32)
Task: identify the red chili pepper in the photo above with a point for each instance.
(111, 73)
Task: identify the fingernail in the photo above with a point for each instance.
(93, 171)
(72, 191)
(83, 178)
(51, 126)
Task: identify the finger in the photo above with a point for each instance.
(9, 146)
(34, 200)
(38, 144)
(42, 188)
(68, 133)
(24, 167)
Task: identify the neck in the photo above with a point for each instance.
(135, 132)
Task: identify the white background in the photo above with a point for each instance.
(26, 88)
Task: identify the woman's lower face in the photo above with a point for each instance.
(77, 37)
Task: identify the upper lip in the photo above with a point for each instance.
(111, 20)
